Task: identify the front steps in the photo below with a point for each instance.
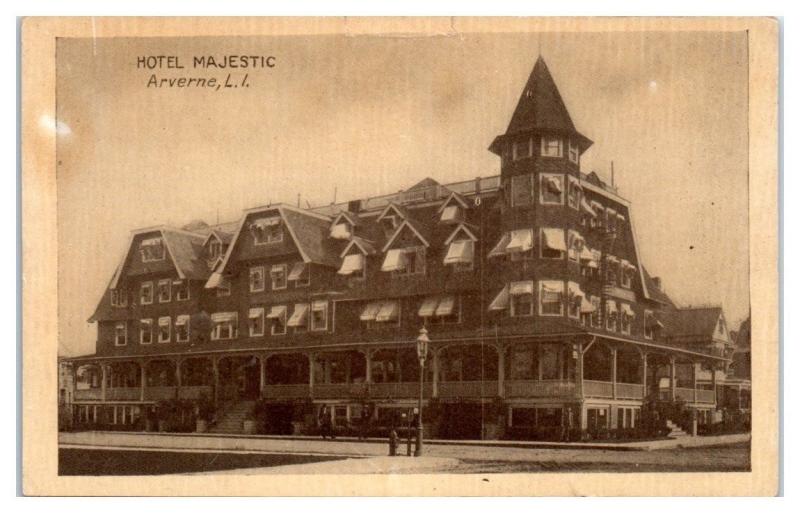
(233, 417)
(675, 431)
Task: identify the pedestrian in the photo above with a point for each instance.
(366, 414)
(325, 424)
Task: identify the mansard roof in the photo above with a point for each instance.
(691, 323)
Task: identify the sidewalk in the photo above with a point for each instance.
(361, 448)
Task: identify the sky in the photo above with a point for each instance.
(346, 117)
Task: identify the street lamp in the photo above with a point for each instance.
(422, 353)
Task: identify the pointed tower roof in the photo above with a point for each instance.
(541, 109)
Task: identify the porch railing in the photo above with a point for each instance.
(88, 394)
(298, 391)
(338, 390)
(196, 391)
(706, 396)
(597, 389)
(158, 393)
(687, 394)
(406, 390)
(123, 394)
(539, 388)
(629, 391)
(467, 388)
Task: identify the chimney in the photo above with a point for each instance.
(354, 206)
(657, 282)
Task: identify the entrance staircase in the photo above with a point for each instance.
(675, 431)
(232, 417)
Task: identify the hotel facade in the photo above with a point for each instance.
(530, 284)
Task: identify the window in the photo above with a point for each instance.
(278, 275)
(256, 318)
(120, 334)
(574, 193)
(626, 273)
(405, 261)
(460, 254)
(224, 288)
(611, 315)
(521, 299)
(300, 274)
(164, 330)
(182, 328)
(299, 318)
(612, 269)
(164, 291)
(119, 298)
(225, 325)
(552, 243)
(551, 295)
(152, 250)
(596, 321)
(626, 316)
(146, 293)
(146, 331)
(575, 245)
(319, 315)
(181, 290)
(649, 324)
(522, 149)
(340, 231)
(267, 230)
(552, 189)
(389, 224)
(214, 249)
(381, 313)
(522, 190)
(552, 146)
(611, 220)
(257, 279)
(575, 299)
(517, 243)
(574, 152)
(354, 265)
(451, 214)
(277, 319)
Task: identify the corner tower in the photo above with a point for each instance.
(541, 136)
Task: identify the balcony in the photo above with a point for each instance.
(448, 389)
(541, 388)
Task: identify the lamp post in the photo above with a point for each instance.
(422, 353)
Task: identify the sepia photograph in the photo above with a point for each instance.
(506, 252)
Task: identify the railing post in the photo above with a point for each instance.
(142, 378)
(103, 382)
(501, 370)
(672, 380)
(613, 372)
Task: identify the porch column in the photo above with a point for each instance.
(694, 382)
(215, 371)
(178, 363)
(579, 374)
(103, 374)
(368, 360)
(501, 370)
(613, 372)
(262, 374)
(644, 374)
(435, 383)
(672, 378)
(714, 383)
(142, 378)
(312, 357)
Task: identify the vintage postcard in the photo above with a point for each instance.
(405, 256)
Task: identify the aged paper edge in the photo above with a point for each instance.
(39, 253)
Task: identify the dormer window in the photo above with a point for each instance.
(119, 298)
(267, 230)
(460, 253)
(214, 249)
(341, 231)
(389, 224)
(152, 250)
(552, 146)
(405, 261)
(353, 265)
(451, 214)
(574, 152)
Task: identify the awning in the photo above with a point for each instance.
(554, 239)
(395, 260)
(428, 307)
(520, 288)
(340, 231)
(299, 315)
(352, 263)
(576, 239)
(554, 184)
(574, 289)
(611, 259)
(388, 312)
(277, 312)
(255, 313)
(611, 307)
(552, 292)
(460, 252)
(586, 254)
(445, 306)
(585, 207)
(500, 302)
(450, 214)
(147, 322)
(574, 182)
(626, 309)
(500, 248)
(586, 305)
(597, 206)
(214, 281)
(182, 320)
(177, 283)
(521, 241)
(611, 212)
(621, 217)
(297, 271)
(370, 311)
(224, 317)
(156, 241)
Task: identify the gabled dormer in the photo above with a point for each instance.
(405, 250)
(391, 217)
(215, 246)
(354, 258)
(453, 210)
(344, 225)
(461, 248)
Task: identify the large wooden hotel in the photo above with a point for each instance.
(530, 284)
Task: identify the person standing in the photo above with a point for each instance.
(366, 414)
(325, 423)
